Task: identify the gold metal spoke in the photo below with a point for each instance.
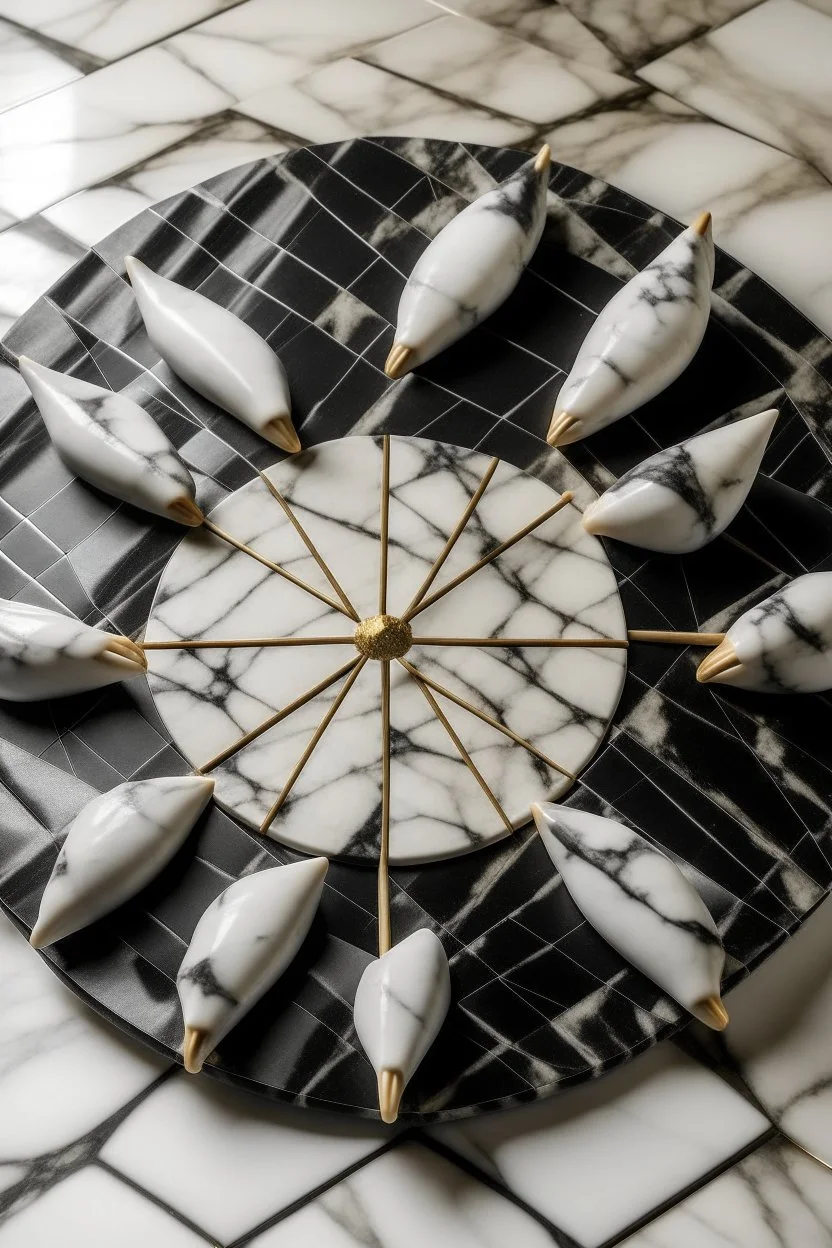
(278, 717)
(384, 525)
(562, 502)
(273, 567)
(243, 642)
(310, 546)
(452, 540)
(668, 637)
(384, 932)
(486, 718)
(357, 666)
(586, 643)
(466, 757)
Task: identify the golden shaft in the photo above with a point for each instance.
(385, 939)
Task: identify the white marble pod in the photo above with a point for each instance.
(111, 442)
(216, 354)
(243, 943)
(683, 497)
(115, 846)
(470, 267)
(783, 645)
(641, 903)
(45, 654)
(642, 340)
(400, 1005)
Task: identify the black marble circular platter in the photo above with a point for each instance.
(312, 249)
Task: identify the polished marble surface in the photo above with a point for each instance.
(722, 104)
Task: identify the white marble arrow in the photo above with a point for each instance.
(111, 442)
(216, 353)
(470, 267)
(783, 645)
(641, 903)
(44, 654)
(683, 497)
(642, 340)
(115, 846)
(400, 1005)
(242, 943)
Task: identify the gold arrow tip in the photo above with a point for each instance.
(282, 433)
(563, 429)
(390, 1089)
(700, 225)
(720, 665)
(543, 159)
(185, 511)
(712, 1013)
(194, 1040)
(398, 361)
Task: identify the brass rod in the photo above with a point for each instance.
(452, 540)
(384, 525)
(486, 718)
(276, 718)
(601, 643)
(311, 547)
(385, 939)
(494, 554)
(675, 639)
(313, 741)
(241, 643)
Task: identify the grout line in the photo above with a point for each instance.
(156, 1200)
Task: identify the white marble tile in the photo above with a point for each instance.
(637, 1136)
(547, 25)
(776, 1198)
(108, 121)
(228, 1161)
(91, 215)
(27, 68)
(348, 98)
(407, 1198)
(642, 28)
(62, 1071)
(92, 1209)
(766, 73)
(109, 29)
(33, 255)
(493, 69)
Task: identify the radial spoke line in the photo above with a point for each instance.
(452, 540)
(384, 525)
(494, 554)
(385, 939)
(586, 643)
(273, 567)
(276, 718)
(466, 757)
(310, 546)
(669, 637)
(486, 718)
(357, 665)
(242, 642)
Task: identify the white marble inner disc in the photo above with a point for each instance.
(554, 583)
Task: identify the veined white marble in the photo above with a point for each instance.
(554, 583)
(683, 497)
(216, 353)
(45, 654)
(111, 442)
(470, 267)
(642, 340)
(115, 846)
(783, 645)
(640, 902)
(241, 945)
(400, 1005)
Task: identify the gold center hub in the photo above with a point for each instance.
(383, 637)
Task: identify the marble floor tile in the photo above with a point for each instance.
(409, 1198)
(33, 255)
(348, 98)
(490, 68)
(56, 1053)
(109, 29)
(228, 1161)
(547, 25)
(93, 1209)
(27, 68)
(638, 1135)
(766, 73)
(640, 29)
(776, 1198)
(108, 121)
(771, 211)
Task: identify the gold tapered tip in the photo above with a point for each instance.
(563, 428)
(398, 361)
(700, 225)
(390, 1089)
(185, 511)
(543, 159)
(123, 651)
(282, 433)
(712, 1013)
(719, 663)
(194, 1039)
